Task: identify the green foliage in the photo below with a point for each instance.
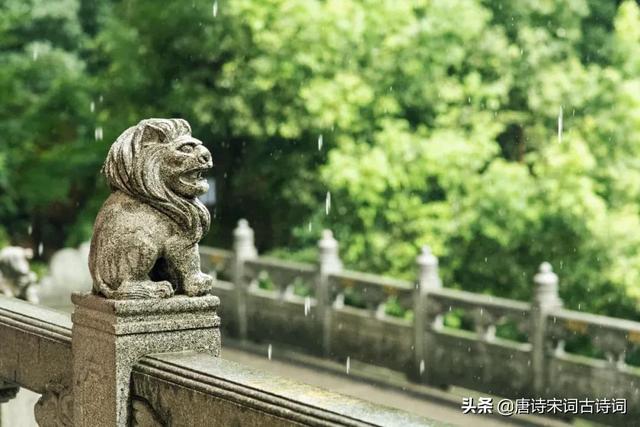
(40, 268)
(432, 132)
(354, 298)
(509, 331)
(477, 169)
(302, 288)
(392, 307)
(4, 239)
(48, 154)
(265, 282)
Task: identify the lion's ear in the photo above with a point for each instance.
(182, 126)
(153, 133)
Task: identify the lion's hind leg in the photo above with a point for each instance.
(122, 268)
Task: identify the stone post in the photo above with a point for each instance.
(110, 336)
(545, 299)
(244, 249)
(328, 263)
(428, 279)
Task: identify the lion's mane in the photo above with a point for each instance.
(128, 170)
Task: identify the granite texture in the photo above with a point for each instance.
(110, 336)
(188, 388)
(145, 237)
(55, 406)
(169, 386)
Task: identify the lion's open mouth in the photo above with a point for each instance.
(194, 176)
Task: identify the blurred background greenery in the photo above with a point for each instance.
(500, 133)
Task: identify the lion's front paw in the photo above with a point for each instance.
(199, 284)
(141, 289)
(163, 290)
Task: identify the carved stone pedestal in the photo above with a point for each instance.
(110, 336)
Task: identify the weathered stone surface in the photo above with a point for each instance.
(145, 240)
(166, 391)
(16, 279)
(35, 345)
(110, 336)
(172, 385)
(55, 407)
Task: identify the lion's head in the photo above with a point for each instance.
(160, 163)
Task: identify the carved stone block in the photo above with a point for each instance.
(110, 336)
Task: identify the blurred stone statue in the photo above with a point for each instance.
(145, 237)
(16, 278)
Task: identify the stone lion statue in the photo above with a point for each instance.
(16, 278)
(145, 237)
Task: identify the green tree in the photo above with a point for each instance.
(45, 120)
(500, 133)
(488, 178)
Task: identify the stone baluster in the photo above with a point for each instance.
(545, 300)
(244, 249)
(428, 280)
(328, 262)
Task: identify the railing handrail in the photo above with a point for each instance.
(221, 385)
(351, 313)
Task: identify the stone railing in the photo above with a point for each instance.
(504, 347)
(104, 368)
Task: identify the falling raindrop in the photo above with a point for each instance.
(40, 248)
(421, 367)
(320, 142)
(35, 53)
(97, 133)
(348, 366)
(307, 305)
(215, 8)
(309, 226)
(92, 106)
(327, 203)
(269, 351)
(560, 126)
(29, 229)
